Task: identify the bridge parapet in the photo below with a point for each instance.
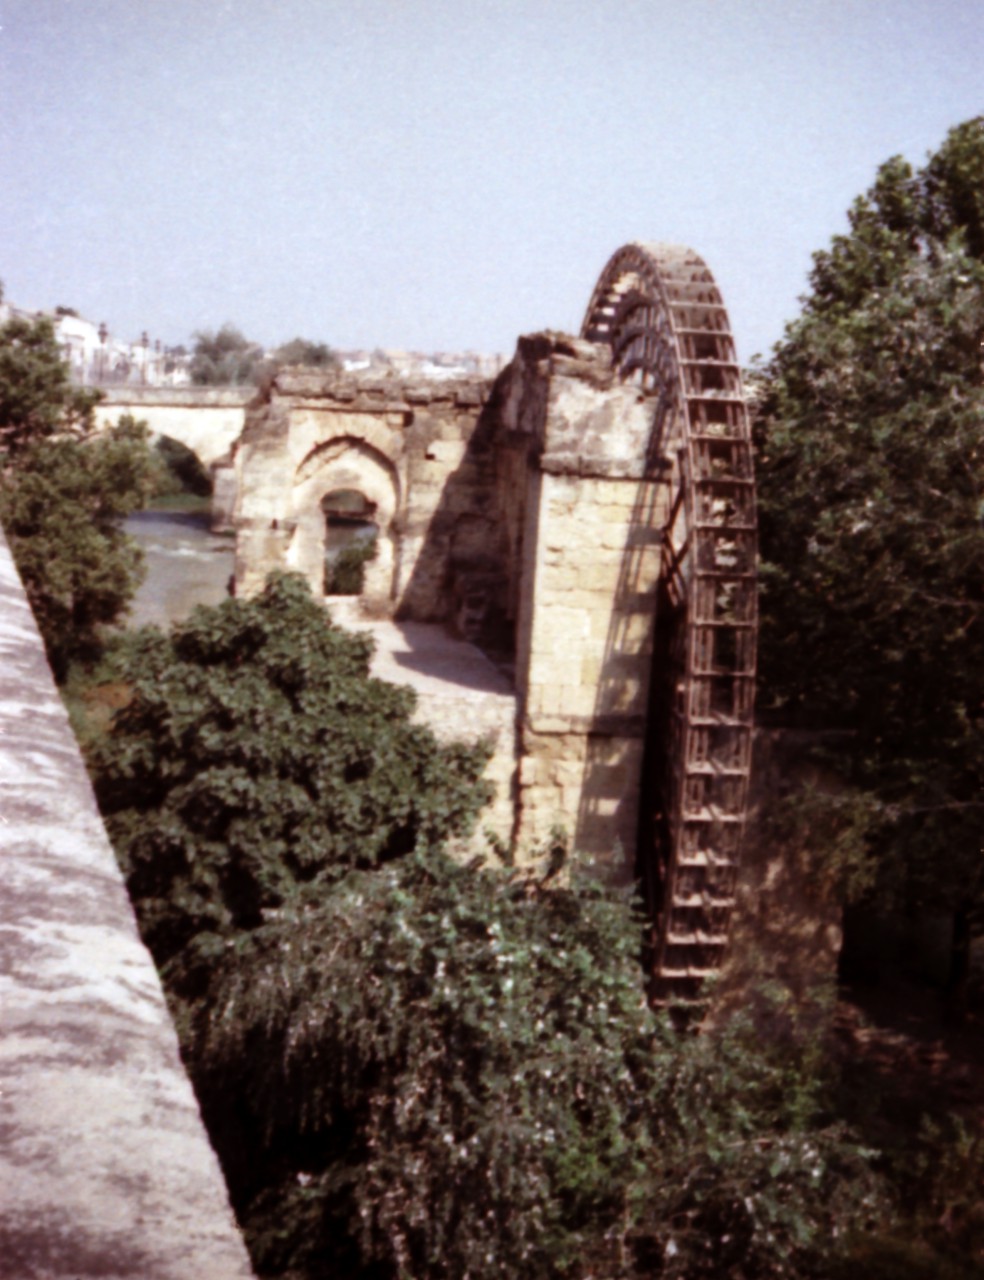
(179, 397)
(207, 420)
(105, 1168)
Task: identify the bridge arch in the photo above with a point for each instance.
(184, 464)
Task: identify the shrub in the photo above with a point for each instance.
(257, 758)
(459, 1060)
(416, 1068)
(346, 574)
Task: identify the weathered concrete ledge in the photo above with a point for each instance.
(105, 1167)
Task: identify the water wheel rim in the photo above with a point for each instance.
(658, 309)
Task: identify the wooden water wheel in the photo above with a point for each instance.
(658, 309)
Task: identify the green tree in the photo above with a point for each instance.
(64, 495)
(37, 399)
(257, 758)
(224, 358)
(62, 509)
(871, 472)
(316, 355)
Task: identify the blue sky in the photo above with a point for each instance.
(442, 176)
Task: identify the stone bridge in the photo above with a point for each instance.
(206, 420)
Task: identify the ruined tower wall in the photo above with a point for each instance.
(402, 445)
(590, 564)
(524, 515)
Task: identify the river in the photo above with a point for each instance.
(186, 563)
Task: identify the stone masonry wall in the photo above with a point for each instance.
(105, 1167)
(404, 445)
(524, 517)
(590, 563)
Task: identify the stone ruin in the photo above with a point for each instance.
(588, 519)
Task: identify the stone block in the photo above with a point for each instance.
(590, 672)
(558, 623)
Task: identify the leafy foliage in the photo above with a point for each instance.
(64, 496)
(475, 1086)
(224, 358)
(37, 399)
(412, 1067)
(468, 1095)
(753, 1174)
(179, 469)
(872, 508)
(62, 508)
(315, 355)
(257, 757)
(345, 575)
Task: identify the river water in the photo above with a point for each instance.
(186, 563)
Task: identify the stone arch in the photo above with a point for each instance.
(346, 463)
(188, 464)
(371, 430)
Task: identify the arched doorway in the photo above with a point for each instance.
(351, 540)
(351, 467)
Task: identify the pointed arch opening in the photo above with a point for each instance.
(342, 488)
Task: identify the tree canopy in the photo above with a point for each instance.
(37, 398)
(411, 1066)
(870, 438)
(257, 760)
(64, 495)
(316, 355)
(225, 357)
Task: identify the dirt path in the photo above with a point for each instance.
(460, 693)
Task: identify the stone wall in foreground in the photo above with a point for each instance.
(105, 1167)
